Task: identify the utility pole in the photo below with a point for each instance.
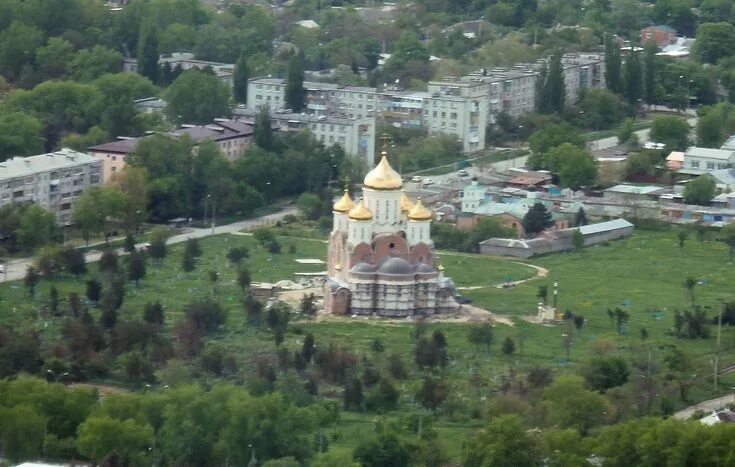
(717, 350)
(213, 212)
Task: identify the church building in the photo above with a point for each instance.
(381, 259)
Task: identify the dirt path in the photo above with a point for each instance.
(540, 273)
(706, 406)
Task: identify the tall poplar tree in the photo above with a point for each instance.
(649, 91)
(295, 94)
(240, 80)
(612, 65)
(148, 51)
(542, 99)
(263, 131)
(555, 89)
(633, 78)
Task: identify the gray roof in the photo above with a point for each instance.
(724, 176)
(61, 159)
(605, 226)
(120, 146)
(635, 189)
(395, 266)
(709, 153)
(220, 130)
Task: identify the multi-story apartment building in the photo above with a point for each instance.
(509, 90)
(355, 135)
(582, 71)
(231, 136)
(322, 99)
(458, 108)
(403, 109)
(186, 61)
(52, 180)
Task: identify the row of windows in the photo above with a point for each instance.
(710, 165)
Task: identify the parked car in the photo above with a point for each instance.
(2, 268)
(428, 181)
(416, 179)
(463, 173)
(462, 300)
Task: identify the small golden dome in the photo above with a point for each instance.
(383, 177)
(406, 203)
(419, 212)
(344, 204)
(360, 212)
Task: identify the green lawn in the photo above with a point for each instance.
(643, 274)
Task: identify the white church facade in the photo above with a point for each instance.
(380, 258)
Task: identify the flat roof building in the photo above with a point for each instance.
(53, 180)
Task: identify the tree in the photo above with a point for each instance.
(352, 395)
(727, 236)
(94, 290)
(206, 314)
(612, 65)
(158, 250)
(263, 129)
(22, 430)
(716, 123)
(681, 236)
(671, 131)
(310, 206)
(243, 278)
(308, 348)
(580, 218)
(90, 64)
(680, 368)
(554, 88)
(577, 240)
(649, 72)
(196, 97)
(387, 450)
(576, 167)
(136, 267)
(188, 263)
(53, 58)
(240, 80)
(295, 92)
(133, 183)
(714, 41)
(98, 436)
(37, 227)
(148, 51)
(74, 261)
(537, 219)
(509, 346)
(572, 406)
(17, 44)
(307, 306)
(20, 135)
(543, 140)
(193, 247)
(602, 109)
(432, 393)
(603, 373)
(689, 284)
(504, 442)
(633, 78)
(237, 254)
(31, 280)
(108, 261)
(700, 191)
(481, 334)
(153, 313)
(95, 208)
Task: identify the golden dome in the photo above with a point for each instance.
(360, 212)
(419, 212)
(344, 204)
(406, 203)
(383, 177)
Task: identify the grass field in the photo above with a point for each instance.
(643, 274)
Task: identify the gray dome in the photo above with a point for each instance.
(424, 268)
(363, 268)
(395, 266)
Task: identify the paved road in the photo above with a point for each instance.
(706, 407)
(643, 136)
(17, 269)
(453, 178)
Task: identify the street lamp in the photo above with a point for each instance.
(556, 294)
(206, 203)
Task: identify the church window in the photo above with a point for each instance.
(392, 245)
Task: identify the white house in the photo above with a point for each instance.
(702, 160)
